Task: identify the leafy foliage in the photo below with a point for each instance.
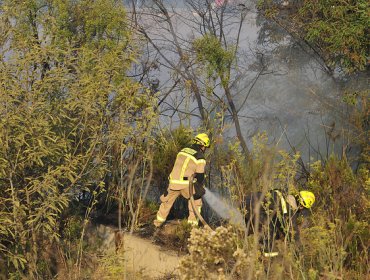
(344, 202)
(65, 101)
(218, 60)
(358, 118)
(337, 30)
(339, 190)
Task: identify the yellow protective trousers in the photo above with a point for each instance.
(169, 199)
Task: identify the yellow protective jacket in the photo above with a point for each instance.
(189, 162)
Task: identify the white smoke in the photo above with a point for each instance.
(224, 208)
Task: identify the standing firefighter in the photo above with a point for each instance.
(189, 162)
(277, 216)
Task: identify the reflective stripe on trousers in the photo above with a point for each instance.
(271, 254)
(195, 222)
(159, 218)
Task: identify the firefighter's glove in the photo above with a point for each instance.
(165, 193)
(199, 191)
(164, 198)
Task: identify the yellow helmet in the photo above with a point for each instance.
(306, 198)
(202, 139)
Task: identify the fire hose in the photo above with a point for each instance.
(191, 191)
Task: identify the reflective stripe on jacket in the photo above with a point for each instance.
(284, 209)
(188, 162)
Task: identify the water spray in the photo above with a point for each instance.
(223, 208)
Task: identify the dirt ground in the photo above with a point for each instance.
(148, 253)
(156, 252)
(146, 258)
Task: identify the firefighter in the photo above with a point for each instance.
(189, 162)
(278, 215)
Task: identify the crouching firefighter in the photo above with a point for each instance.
(190, 162)
(278, 215)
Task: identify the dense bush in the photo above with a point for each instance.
(337, 30)
(66, 105)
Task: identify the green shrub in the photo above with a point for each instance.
(168, 144)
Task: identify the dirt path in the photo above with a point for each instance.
(146, 258)
(143, 259)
